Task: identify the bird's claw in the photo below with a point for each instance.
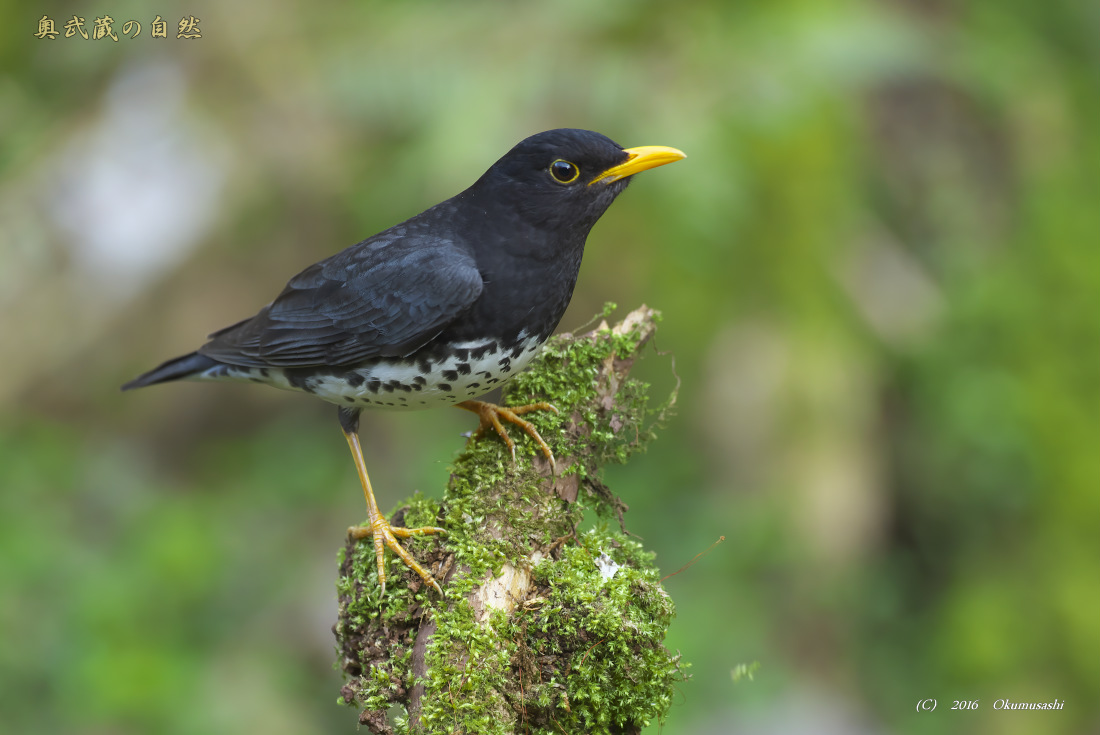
(490, 416)
(385, 536)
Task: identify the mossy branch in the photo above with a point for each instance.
(541, 629)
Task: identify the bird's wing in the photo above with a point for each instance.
(385, 297)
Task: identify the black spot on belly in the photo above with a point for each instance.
(445, 387)
(354, 379)
(464, 368)
(486, 373)
(389, 386)
(517, 351)
(298, 379)
(504, 362)
(405, 387)
(474, 385)
(419, 380)
(480, 352)
(349, 399)
(462, 354)
(423, 366)
(450, 375)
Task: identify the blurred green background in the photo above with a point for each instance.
(879, 269)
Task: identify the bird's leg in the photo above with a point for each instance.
(490, 415)
(378, 528)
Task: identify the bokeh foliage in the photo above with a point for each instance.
(879, 273)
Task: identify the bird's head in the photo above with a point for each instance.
(564, 180)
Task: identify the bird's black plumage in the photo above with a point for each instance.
(385, 297)
(441, 308)
(497, 260)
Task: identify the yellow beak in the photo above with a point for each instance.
(641, 158)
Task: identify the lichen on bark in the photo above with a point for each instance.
(541, 628)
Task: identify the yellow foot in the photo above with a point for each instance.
(490, 415)
(377, 527)
(385, 536)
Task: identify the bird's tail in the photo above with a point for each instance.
(179, 368)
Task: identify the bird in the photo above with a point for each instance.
(437, 310)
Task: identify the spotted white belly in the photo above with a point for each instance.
(469, 370)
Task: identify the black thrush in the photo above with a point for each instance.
(437, 310)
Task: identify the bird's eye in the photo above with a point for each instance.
(564, 172)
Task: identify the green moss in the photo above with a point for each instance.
(604, 615)
(566, 370)
(581, 649)
(468, 666)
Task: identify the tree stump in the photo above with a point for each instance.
(541, 629)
